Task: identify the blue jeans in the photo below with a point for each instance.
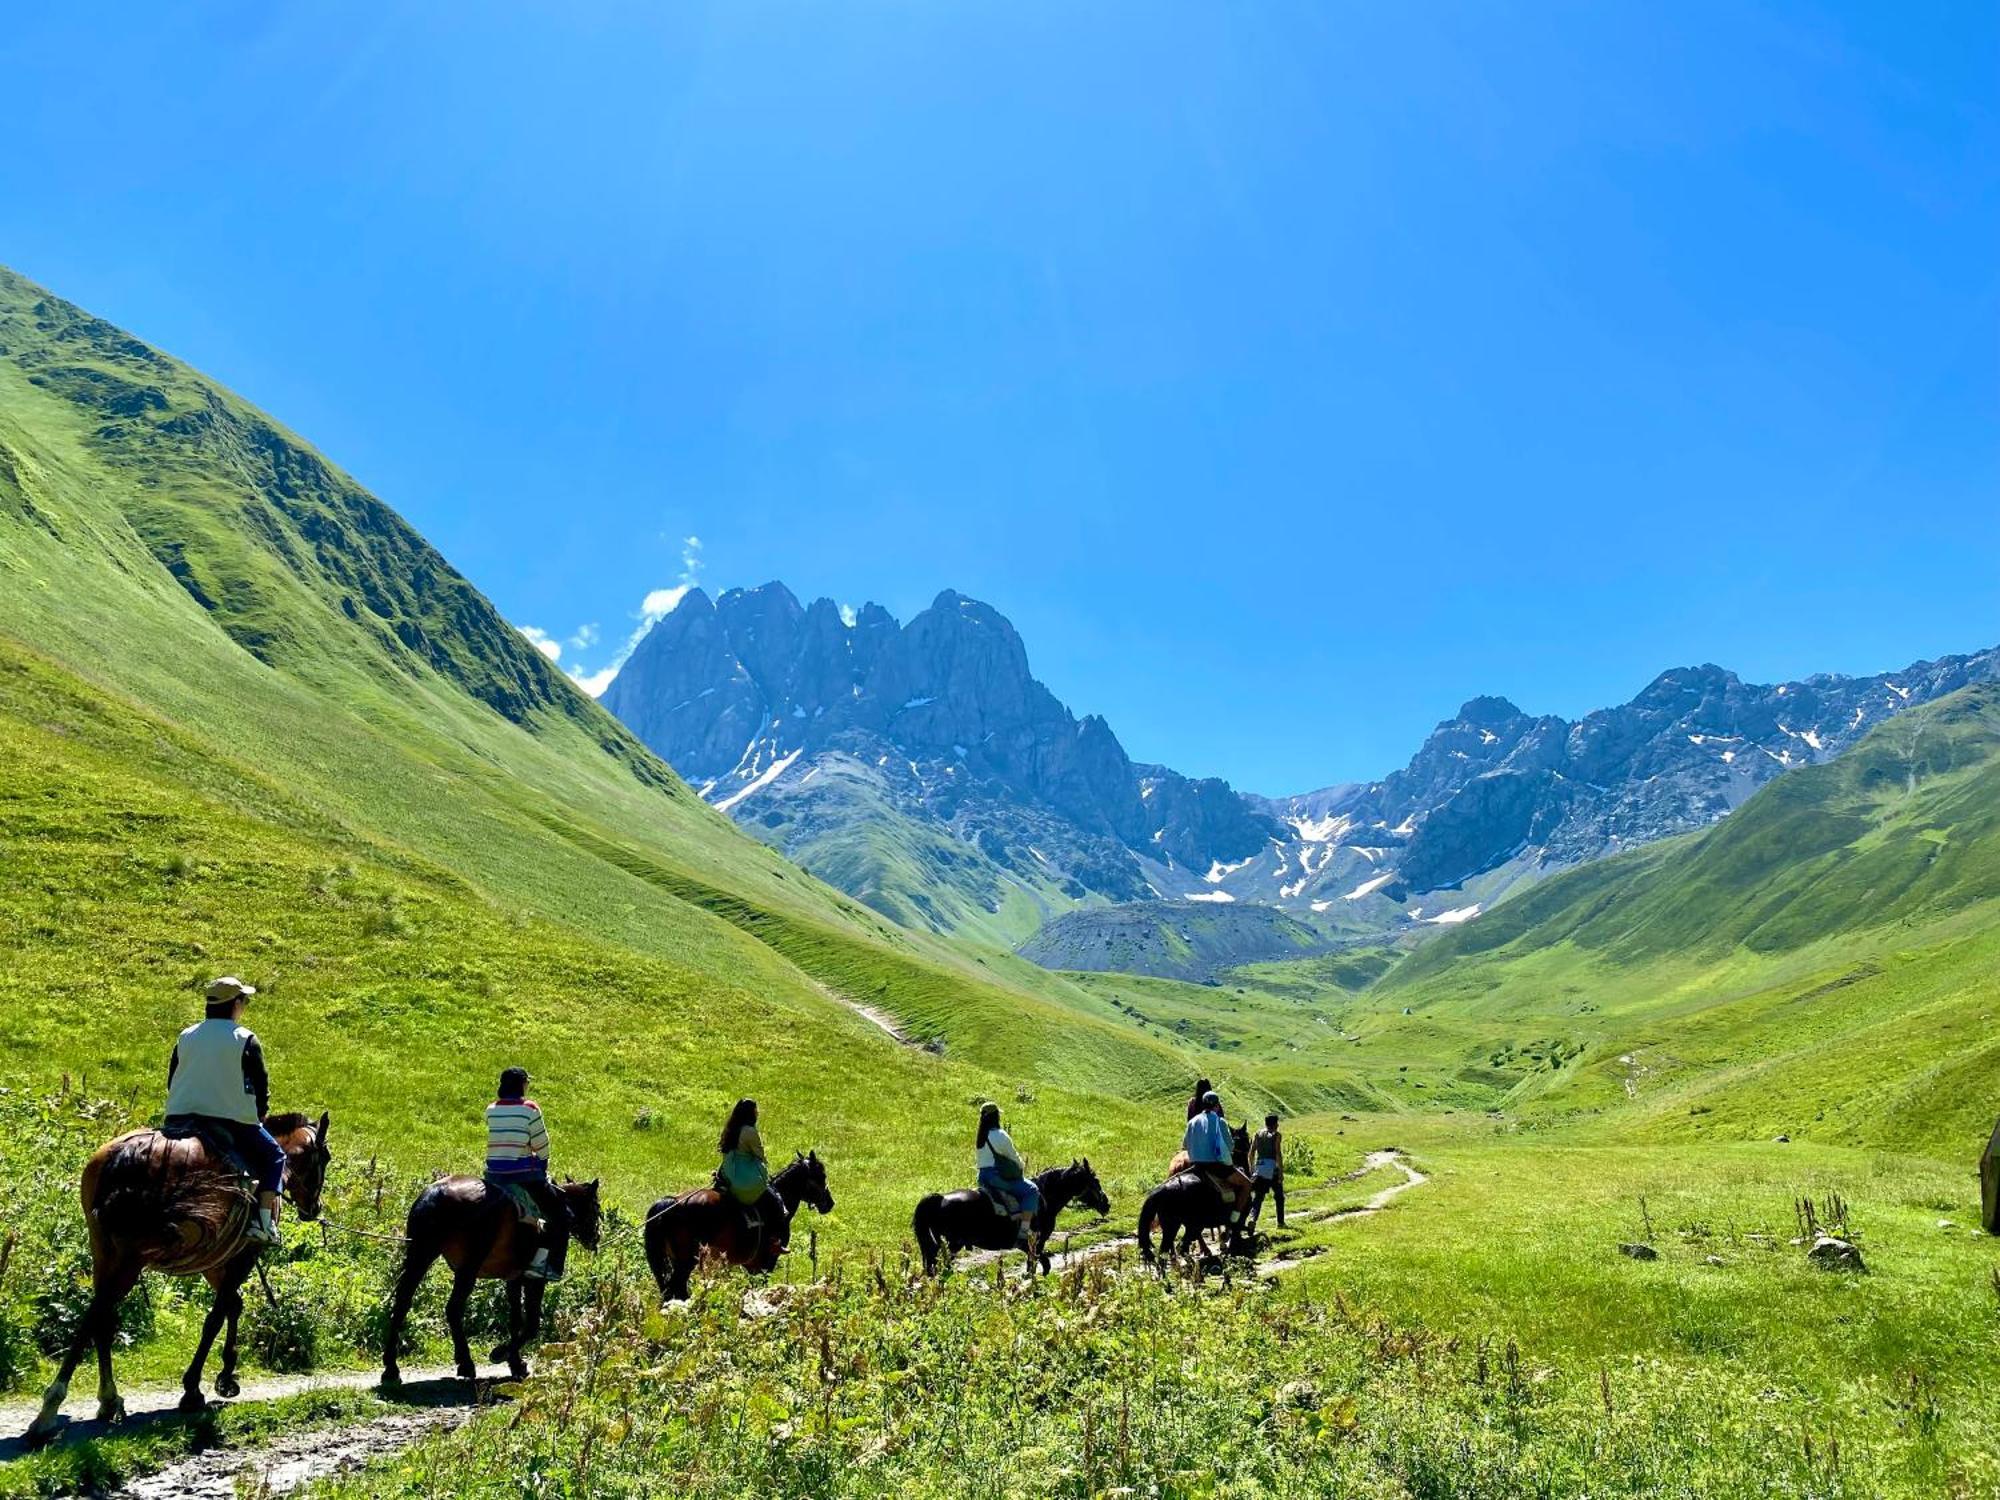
(256, 1145)
(1021, 1192)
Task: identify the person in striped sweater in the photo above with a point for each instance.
(517, 1162)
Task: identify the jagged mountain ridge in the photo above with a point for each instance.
(923, 768)
(955, 788)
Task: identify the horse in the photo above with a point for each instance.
(169, 1204)
(1186, 1204)
(474, 1226)
(679, 1229)
(946, 1223)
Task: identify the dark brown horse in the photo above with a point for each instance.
(1187, 1204)
(475, 1227)
(171, 1204)
(946, 1223)
(679, 1231)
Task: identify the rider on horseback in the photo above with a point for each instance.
(1002, 1173)
(1199, 1101)
(517, 1164)
(1208, 1144)
(743, 1174)
(217, 1079)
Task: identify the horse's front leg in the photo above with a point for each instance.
(417, 1262)
(225, 1378)
(218, 1309)
(531, 1328)
(509, 1353)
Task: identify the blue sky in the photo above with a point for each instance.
(1288, 373)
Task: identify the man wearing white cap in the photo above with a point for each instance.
(217, 1076)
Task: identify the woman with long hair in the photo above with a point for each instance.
(1002, 1172)
(743, 1173)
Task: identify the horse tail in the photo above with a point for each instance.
(923, 1224)
(1149, 1213)
(659, 1244)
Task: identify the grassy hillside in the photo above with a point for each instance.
(262, 726)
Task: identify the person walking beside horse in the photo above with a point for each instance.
(1267, 1153)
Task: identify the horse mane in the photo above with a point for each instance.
(285, 1124)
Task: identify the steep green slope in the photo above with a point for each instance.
(274, 645)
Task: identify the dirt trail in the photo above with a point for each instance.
(291, 1460)
(1374, 1161)
(435, 1386)
(880, 1019)
(1375, 1204)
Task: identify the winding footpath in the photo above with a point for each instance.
(1374, 1161)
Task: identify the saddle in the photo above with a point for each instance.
(526, 1209)
(998, 1204)
(217, 1143)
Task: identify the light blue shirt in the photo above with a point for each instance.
(1207, 1138)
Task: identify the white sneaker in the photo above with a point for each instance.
(264, 1228)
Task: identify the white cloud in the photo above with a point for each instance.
(660, 603)
(655, 607)
(847, 615)
(542, 641)
(594, 683)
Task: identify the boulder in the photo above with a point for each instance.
(1639, 1252)
(1831, 1254)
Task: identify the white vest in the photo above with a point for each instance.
(208, 1079)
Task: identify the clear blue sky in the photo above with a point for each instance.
(1288, 372)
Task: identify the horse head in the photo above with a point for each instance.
(306, 1159)
(586, 1213)
(1239, 1145)
(1087, 1190)
(805, 1180)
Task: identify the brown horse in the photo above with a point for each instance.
(169, 1204)
(679, 1230)
(477, 1231)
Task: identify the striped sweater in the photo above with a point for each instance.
(517, 1142)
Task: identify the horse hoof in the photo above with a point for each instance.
(392, 1378)
(193, 1402)
(226, 1387)
(112, 1410)
(467, 1370)
(517, 1369)
(502, 1354)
